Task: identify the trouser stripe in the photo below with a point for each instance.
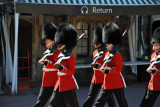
(123, 97)
(74, 98)
(113, 100)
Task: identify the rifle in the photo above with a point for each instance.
(108, 58)
(47, 53)
(154, 61)
(98, 56)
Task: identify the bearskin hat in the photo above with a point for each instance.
(97, 36)
(66, 34)
(48, 31)
(156, 36)
(111, 34)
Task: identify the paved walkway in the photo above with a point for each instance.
(27, 98)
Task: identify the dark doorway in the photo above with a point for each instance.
(24, 50)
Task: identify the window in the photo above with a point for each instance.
(82, 45)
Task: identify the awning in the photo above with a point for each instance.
(89, 7)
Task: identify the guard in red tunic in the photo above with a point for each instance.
(112, 67)
(66, 38)
(48, 60)
(153, 90)
(98, 76)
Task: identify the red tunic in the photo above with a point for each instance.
(67, 82)
(154, 83)
(50, 77)
(114, 79)
(98, 76)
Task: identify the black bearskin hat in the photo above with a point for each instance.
(156, 36)
(97, 36)
(111, 34)
(48, 31)
(66, 34)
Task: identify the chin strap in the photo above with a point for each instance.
(98, 46)
(158, 47)
(109, 46)
(49, 44)
(62, 47)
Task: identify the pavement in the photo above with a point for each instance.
(26, 98)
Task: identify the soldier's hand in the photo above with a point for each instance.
(57, 65)
(106, 71)
(153, 71)
(41, 61)
(95, 66)
(45, 63)
(102, 69)
(92, 65)
(149, 70)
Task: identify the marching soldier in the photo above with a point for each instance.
(48, 60)
(66, 38)
(112, 67)
(153, 89)
(98, 76)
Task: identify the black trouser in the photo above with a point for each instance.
(105, 95)
(93, 91)
(44, 95)
(149, 98)
(69, 96)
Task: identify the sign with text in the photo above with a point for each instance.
(53, 9)
(95, 10)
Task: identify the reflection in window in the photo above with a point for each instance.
(82, 45)
(96, 24)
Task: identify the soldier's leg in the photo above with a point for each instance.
(111, 102)
(102, 98)
(93, 91)
(71, 98)
(149, 98)
(57, 100)
(44, 95)
(120, 96)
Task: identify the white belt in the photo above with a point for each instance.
(60, 73)
(49, 69)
